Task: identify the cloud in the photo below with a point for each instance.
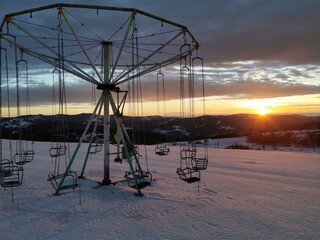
(263, 30)
(233, 30)
(252, 48)
(255, 89)
(243, 89)
(282, 76)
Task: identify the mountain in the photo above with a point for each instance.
(155, 129)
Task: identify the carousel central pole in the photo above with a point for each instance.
(106, 118)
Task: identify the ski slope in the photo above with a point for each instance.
(242, 195)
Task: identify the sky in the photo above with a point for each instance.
(259, 57)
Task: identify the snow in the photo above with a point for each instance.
(179, 129)
(225, 142)
(17, 123)
(242, 195)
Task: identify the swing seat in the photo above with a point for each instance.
(29, 155)
(24, 157)
(188, 153)
(4, 171)
(162, 151)
(70, 181)
(199, 163)
(189, 175)
(11, 176)
(95, 148)
(143, 178)
(58, 151)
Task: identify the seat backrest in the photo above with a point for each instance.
(13, 178)
(4, 163)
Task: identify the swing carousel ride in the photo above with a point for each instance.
(78, 42)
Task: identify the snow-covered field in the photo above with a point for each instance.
(242, 195)
(225, 142)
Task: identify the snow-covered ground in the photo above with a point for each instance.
(225, 142)
(242, 195)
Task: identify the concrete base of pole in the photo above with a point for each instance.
(106, 182)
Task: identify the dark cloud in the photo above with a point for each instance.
(282, 76)
(267, 30)
(232, 30)
(46, 94)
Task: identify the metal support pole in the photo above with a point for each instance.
(106, 119)
(1, 97)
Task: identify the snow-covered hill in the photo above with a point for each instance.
(242, 195)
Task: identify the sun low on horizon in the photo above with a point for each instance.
(263, 111)
(261, 107)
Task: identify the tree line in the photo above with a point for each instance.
(310, 139)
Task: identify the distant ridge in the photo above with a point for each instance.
(154, 129)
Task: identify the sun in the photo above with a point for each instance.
(263, 111)
(261, 107)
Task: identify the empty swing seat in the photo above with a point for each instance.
(162, 151)
(11, 176)
(143, 178)
(4, 170)
(199, 163)
(189, 175)
(58, 151)
(95, 148)
(188, 153)
(29, 155)
(24, 157)
(70, 181)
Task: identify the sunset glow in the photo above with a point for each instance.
(260, 106)
(263, 111)
(305, 105)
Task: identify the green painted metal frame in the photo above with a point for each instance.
(91, 140)
(68, 168)
(32, 10)
(125, 140)
(106, 96)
